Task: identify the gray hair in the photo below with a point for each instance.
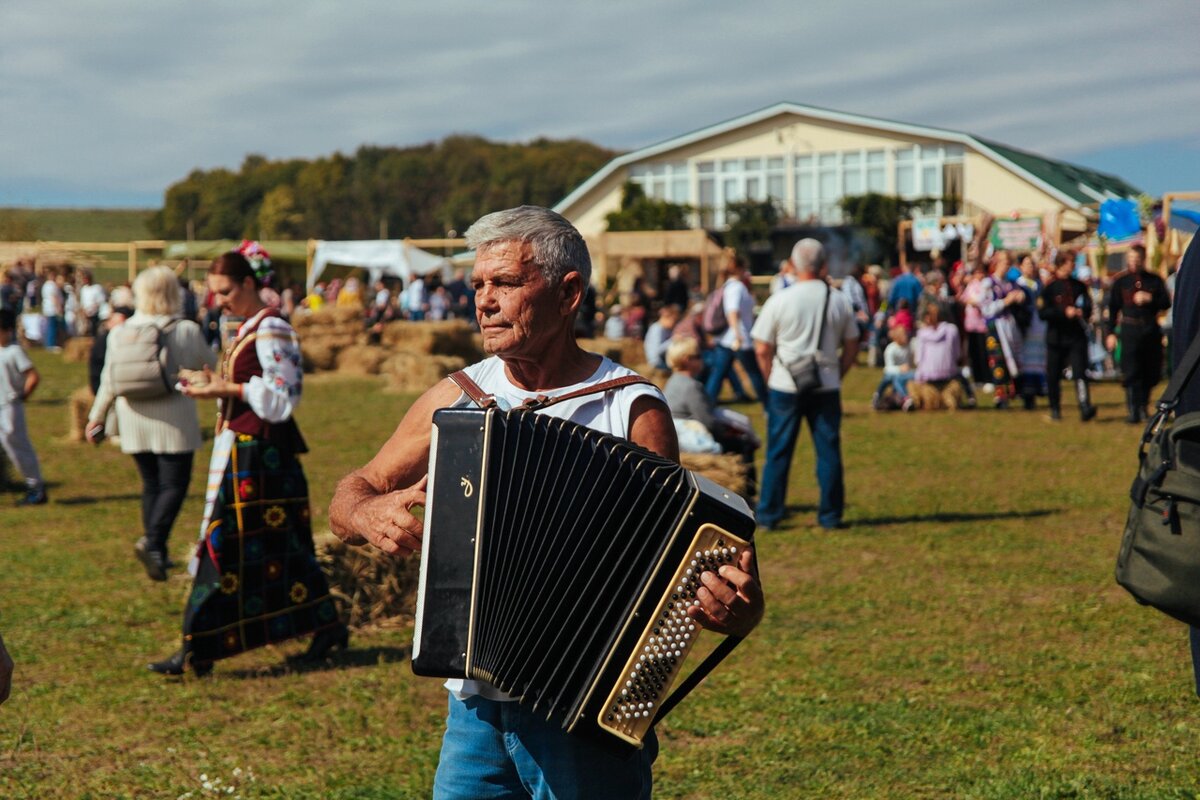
(555, 245)
(808, 256)
(156, 291)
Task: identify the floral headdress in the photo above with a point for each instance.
(260, 260)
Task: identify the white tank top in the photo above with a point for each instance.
(607, 412)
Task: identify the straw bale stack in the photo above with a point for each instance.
(318, 355)
(416, 372)
(78, 405)
(77, 349)
(369, 586)
(725, 469)
(326, 332)
(605, 347)
(448, 338)
(361, 359)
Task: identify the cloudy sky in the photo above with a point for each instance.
(108, 103)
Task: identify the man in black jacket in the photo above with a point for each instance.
(1186, 326)
(1135, 301)
(1066, 306)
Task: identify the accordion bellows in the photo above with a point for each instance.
(558, 563)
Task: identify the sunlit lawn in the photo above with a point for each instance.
(964, 638)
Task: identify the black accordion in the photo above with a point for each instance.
(558, 564)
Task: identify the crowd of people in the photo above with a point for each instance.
(1002, 324)
(1008, 325)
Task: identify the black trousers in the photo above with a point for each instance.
(1141, 359)
(165, 478)
(1059, 356)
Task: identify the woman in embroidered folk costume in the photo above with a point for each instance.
(257, 580)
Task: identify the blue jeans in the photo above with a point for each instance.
(897, 382)
(722, 366)
(493, 750)
(823, 411)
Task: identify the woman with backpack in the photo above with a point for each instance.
(157, 424)
(257, 580)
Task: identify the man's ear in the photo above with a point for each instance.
(571, 290)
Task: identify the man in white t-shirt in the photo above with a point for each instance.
(531, 270)
(787, 329)
(735, 343)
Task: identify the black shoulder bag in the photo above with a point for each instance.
(1159, 560)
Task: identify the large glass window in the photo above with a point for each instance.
(664, 181)
(877, 171)
(906, 177)
(852, 174)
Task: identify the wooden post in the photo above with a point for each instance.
(902, 230)
(133, 262)
(310, 251)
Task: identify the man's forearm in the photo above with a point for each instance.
(849, 354)
(350, 494)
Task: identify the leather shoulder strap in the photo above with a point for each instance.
(484, 400)
(471, 389)
(542, 401)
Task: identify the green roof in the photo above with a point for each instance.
(1064, 176)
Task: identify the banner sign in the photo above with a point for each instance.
(1023, 233)
(927, 234)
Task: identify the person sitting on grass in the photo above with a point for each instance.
(897, 371)
(18, 379)
(701, 426)
(938, 353)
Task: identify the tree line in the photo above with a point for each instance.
(419, 191)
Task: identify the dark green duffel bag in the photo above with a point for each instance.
(1159, 560)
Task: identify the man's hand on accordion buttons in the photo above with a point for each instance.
(731, 602)
(387, 521)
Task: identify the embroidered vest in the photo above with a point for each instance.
(239, 363)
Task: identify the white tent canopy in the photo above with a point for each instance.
(380, 257)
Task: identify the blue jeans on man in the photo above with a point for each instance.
(823, 412)
(722, 366)
(494, 749)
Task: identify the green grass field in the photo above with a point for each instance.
(77, 224)
(964, 638)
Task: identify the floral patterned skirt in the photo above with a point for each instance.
(257, 580)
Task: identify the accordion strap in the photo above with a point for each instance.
(484, 400)
(471, 389)
(698, 674)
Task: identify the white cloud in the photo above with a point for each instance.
(125, 97)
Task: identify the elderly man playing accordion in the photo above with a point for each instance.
(531, 270)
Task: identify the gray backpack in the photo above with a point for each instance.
(138, 362)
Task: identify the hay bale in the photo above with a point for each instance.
(605, 347)
(78, 405)
(413, 372)
(725, 469)
(317, 356)
(77, 349)
(937, 396)
(448, 338)
(369, 586)
(361, 359)
(327, 317)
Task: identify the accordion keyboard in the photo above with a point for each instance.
(667, 640)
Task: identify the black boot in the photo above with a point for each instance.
(176, 664)
(325, 641)
(1132, 415)
(154, 561)
(1086, 410)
